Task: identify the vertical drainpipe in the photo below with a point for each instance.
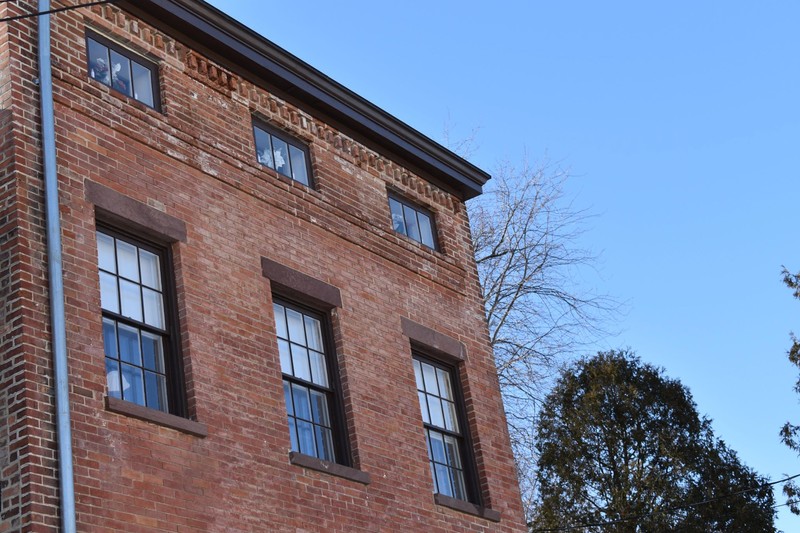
(57, 316)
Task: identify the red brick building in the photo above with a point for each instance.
(272, 314)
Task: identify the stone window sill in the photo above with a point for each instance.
(184, 425)
(466, 507)
(313, 463)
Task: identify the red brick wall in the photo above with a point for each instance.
(195, 161)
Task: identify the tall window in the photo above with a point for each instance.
(122, 70)
(283, 154)
(307, 381)
(136, 333)
(444, 427)
(412, 221)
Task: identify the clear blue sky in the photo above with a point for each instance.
(680, 122)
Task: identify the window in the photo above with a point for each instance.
(122, 70)
(282, 154)
(444, 428)
(412, 221)
(136, 327)
(307, 382)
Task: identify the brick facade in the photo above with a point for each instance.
(187, 176)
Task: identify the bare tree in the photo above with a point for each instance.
(525, 232)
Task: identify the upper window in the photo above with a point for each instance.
(308, 386)
(122, 70)
(282, 154)
(137, 334)
(412, 221)
(444, 428)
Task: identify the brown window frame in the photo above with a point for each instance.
(291, 142)
(418, 210)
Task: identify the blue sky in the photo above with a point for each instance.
(680, 123)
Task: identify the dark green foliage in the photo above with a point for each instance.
(620, 442)
(790, 433)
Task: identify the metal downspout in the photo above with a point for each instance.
(57, 316)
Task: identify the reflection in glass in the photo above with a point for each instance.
(121, 73)
(281, 153)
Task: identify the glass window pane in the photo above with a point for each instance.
(324, 443)
(450, 418)
(443, 479)
(435, 481)
(129, 344)
(302, 407)
(286, 357)
(105, 252)
(437, 447)
(435, 409)
(128, 260)
(398, 223)
(423, 406)
(412, 230)
(152, 352)
(429, 375)
(97, 55)
(263, 148)
(300, 363)
(287, 395)
(153, 308)
(151, 269)
(313, 333)
(280, 321)
(319, 409)
(296, 332)
(113, 378)
(293, 435)
(142, 84)
(130, 294)
(319, 374)
(445, 390)
(299, 168)
(280, 150)
(109, 338)
(121, 73)
(418, 375)
(459, 487)
(453, 454)
(156, 390)
(305, 434)
(109, 299)
(132, 384)
(425, 229)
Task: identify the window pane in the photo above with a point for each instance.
(319, 408)
(263, 148)
(129, 344)
(280, 321)
(437, 447)
(445, 390)
(142, 84)
(398, 223)
(109, 299)
(300, 362)
(286, 357)
(425, 229)
(313, 333)
(132, 384)
(451, 448)
(435, 409)
(319, 374)
(429, 375)
(153, 308)
(412, 230)
(113, 378)
(324, 443)
(287, 395)
(156, 388)
(443, 479)
(128, 260)
(305, 434)
(302, 409)
(105, 252)
(131, 297)
(293, 435)
(281, 152)
(299, 169)
(109, 338)
(296, 332)
(151, 269)
(152, 352)
(121, 73)
(450, 418)
(418, 375)
(459, 487)
(97, 54)
(423, 406)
